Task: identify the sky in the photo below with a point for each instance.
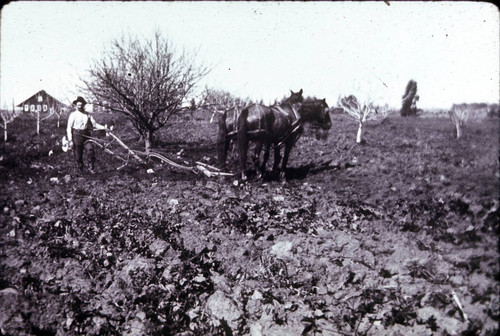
(262, 50)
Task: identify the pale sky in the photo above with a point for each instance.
(262, 50)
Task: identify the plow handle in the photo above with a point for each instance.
(125, 146)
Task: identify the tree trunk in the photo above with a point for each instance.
(148, 141)
(37, 122)
(360, 133)
(459, 130)
(5, 131)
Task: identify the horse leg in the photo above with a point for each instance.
(223, 149)
(243, 142)
(243, 148)
(222, 140)
(286, 154)
(277, 159)
(256, 154)
(262, 167)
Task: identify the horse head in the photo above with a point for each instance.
(317, 112)
(295, 97)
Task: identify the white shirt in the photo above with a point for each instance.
(78, 120)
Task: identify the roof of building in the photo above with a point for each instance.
(47, 98)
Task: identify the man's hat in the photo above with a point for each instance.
(80, 100)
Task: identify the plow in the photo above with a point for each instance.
(108, 146)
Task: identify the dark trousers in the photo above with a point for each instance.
(80, 142)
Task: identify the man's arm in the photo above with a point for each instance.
(97, 125)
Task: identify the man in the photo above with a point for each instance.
(79, 129)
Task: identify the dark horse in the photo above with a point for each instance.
(284, 129)
(228, 125)
(277, 125)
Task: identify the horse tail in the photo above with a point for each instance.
(222, 139)
(243, 138)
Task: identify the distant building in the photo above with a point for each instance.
(42, 102)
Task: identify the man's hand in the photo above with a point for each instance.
(108, 129)
(66, 144)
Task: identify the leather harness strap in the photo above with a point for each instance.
(259, 112)
(235, 119)
(295, 129)
(296, 113)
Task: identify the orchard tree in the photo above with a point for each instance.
(459, 114)
(409, 100)
(218, 101)
(362, 112)
(58, 111)
(8, 117)
(37, 114)
(147, 81)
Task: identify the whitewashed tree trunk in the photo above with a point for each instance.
(360, 133)
(459, 130)
(37, 122)
(5, 131)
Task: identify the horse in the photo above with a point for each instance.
(228, 123)
(285, 125)
(278, 125)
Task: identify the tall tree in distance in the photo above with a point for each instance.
(409, 100)
(145, 80)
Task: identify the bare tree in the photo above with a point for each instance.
(58, 112)
(459, 114)
(362, 112)
(37, 114)
(218, 101)
(146, 81)
(8, 117)
(409, 100)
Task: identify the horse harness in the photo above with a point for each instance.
(295, 130)
(236, 115)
